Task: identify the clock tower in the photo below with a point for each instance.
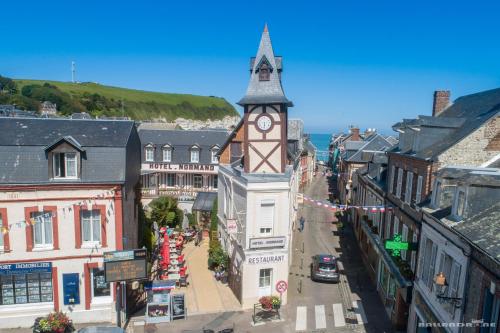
(265, 113)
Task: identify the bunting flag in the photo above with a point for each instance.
(335, 207)
(89, 202)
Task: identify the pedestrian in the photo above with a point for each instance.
(301, 228)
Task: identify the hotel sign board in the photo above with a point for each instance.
(125, 265)
(188, 167)
(267, 242)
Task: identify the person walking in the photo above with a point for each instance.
(301, 227)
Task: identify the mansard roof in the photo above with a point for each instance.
(265, 92)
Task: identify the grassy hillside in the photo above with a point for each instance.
(100, 100)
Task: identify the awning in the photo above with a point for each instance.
(204, 201)
(160, 285)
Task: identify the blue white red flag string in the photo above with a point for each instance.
(335, 207)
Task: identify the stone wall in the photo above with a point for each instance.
(471, 150)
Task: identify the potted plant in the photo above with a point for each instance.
(276, 302)
(266, 302)
(55, 322)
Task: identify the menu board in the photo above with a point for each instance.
(125, 270)
(178, 306)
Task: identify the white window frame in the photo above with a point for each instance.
(91, 220)
(400, 182)
(456, 202)
(99, 299)
(264, 277)
(200, 177)
(167, 154)
(418, 195)
(213, 155)
(149, 149)
(44, 244)
(56, 165)
(409, 186)
(391, 179)
(195, 155)
(266, 229)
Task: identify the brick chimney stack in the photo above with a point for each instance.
(355, 133)
(441, 101)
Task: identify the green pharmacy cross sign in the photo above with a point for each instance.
(396, 245)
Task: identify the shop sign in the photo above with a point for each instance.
(267, 242)
(396, 245)
(199, 168)
(232, 227)
(266, 259)
(124, 255)
(26, 268)
(125, 265)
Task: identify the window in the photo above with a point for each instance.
(91, 226)
(418, 195)
(265, 277)
(214, 158)
(460, 204)
(388, 225)
(264, 72)
(149, 153)
(428, 263)
(267, 217)
(413, 259)
(171, 179)
(490, 311)
(396, 226)
(198, 181)
(100, 288)
(167, 154)
(195, 156)
(1, 234)
(216, 181)
(42, 229)
(391, 180)
(400, 183)
(25, 288)
(404, 238)
(409, 185)
(64, 165)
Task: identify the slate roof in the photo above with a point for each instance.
(483, 230)
(24, 143)
(181, 141)
(377, 143)
(204, 201)
(260, 92)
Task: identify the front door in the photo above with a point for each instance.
(265, 278)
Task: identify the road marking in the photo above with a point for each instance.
(301, 321)
(319, 313)
(338, 315)
(360, 312)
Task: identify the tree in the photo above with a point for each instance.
(7, 85)
(214, 221)
(165, 212)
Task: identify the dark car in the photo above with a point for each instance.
(324, 268)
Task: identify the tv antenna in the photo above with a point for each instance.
(73, 72)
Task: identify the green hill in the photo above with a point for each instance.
(99, 100)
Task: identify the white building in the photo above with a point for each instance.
(67, 195)
(258, 181)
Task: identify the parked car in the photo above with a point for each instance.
(324, 268)
(101, 329)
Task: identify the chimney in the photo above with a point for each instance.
(441, 101)
(355, 133)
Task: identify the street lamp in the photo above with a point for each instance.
(442, 288)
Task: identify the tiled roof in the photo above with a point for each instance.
(271, 91)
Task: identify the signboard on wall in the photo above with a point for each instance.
(267, 242)
(190, 167)
(266, 259)
(125, 265)
(26, 268)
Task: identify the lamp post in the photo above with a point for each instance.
(442, 289)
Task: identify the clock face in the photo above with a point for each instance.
(264, 123)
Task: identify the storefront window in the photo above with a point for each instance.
(171, 179)
(198, 181)
(100, 287)
(25, 288)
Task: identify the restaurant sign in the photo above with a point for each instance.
(125, 265)
(188, 167)
(267, 242)
(25, 268)
(267, 259)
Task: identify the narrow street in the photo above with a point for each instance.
(352, 305)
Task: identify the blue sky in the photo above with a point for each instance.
(369, 63)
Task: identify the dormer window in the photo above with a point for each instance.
(167, 153)
(459, 208)
(213, 154)
(65, 165)
(195, 154)
(149, 153)
(264, 73)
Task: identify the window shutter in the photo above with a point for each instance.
(391, 179)
(388, 221)
(413, 254)
(418, 196)
(267, 213)
(396, 225)
(432, 266)
(454, 279)
(78, 226)
(400, 183)
(422, 259)
(409, 185)
(404, 236)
